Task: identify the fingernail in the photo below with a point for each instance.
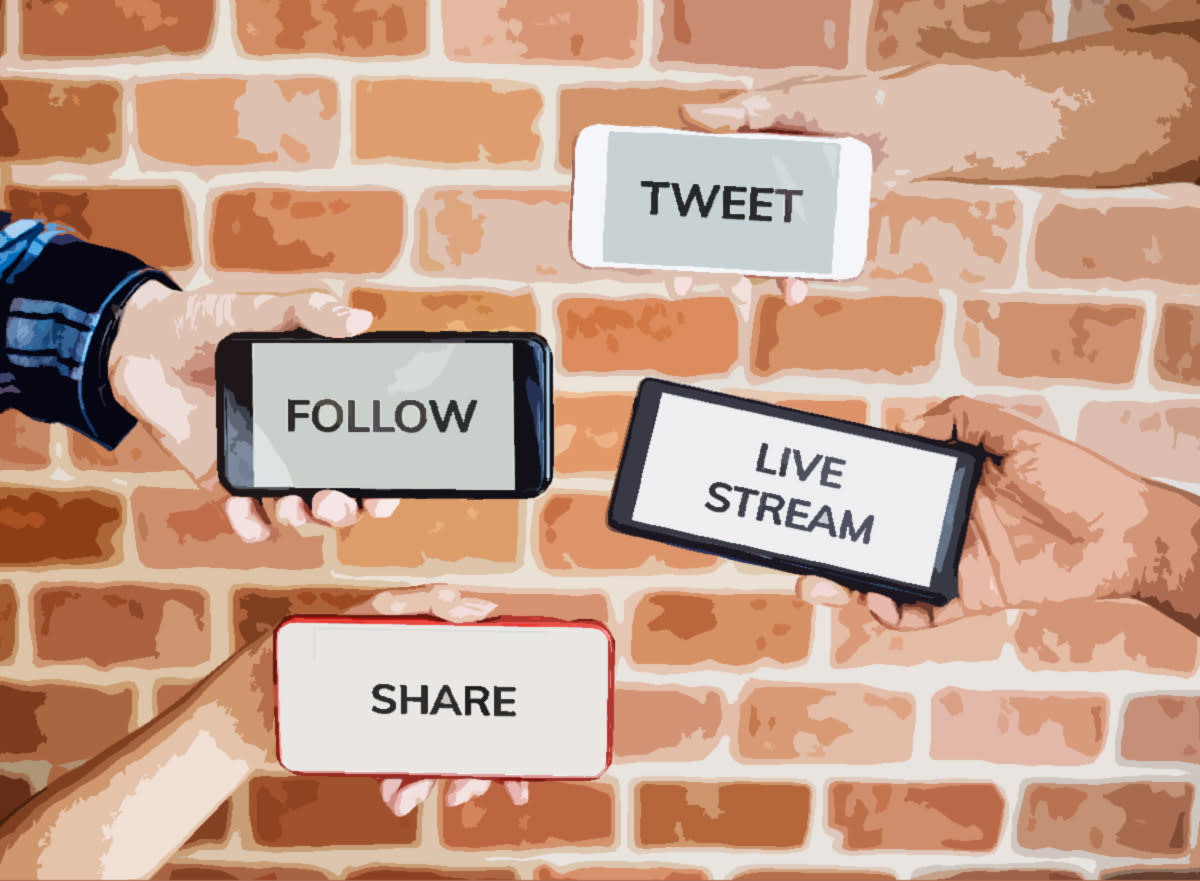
(681, 285)
(795, 291)
(462, 791)
(335, 510)
(411, 796)
(445, 594)
(717, 117)
(386, 507)
(825, 592)
(471, 609)
(388, 789)
(357, 320)
(519, 793)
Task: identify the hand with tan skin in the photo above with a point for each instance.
(1051, 523)
(127, 811)
(1063, 115)
(161, 368)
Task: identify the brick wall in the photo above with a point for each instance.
(417, 154)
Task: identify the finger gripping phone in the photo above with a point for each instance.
(385, 414)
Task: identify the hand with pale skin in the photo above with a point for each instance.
(1051, 522)
(161, 369)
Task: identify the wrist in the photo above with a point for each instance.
(239, 698)
(133, 339)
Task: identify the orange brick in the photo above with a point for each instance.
(1048, 341)
(138, 453)
(1177, 347)
(851, 410)
(120, 625)
(613, 872)
(287, 122)
(339, 231)
(61, 723)
(364, 29)
(152, 223)
(666, 724)
(41, 528)
(1033, 873)
(1112, 635)
(858, 640)
(824, 723)
(810, 874)
(1022, 728)
(762, 815)
(1032, 407)
(97, 29)
(563, 31)
(946, 235)
(55, 119)
(429, 873)
(1116, 819)
(580, 107)
(305, 812)
(8, 621)
(574, 536)
(893, 335)
(1162, 728)
(1116, 243)
(24, 442)
(694, 337)
(15, 790)
(442, 530)
(191, 871)
(447, 310)
(589, 431)
(559, 814)
(1154, 440)
(735, 630)
(179, 529)
(907, 32)
(755, 33)
(497, 233)
(447, 122)
(914, 816)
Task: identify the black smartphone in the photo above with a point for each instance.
(387, 414)
(871, 509)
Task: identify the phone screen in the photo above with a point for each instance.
(383, 415)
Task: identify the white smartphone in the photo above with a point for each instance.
(755, 204)
(527, 698)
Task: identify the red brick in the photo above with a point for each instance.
(872, 335)
(8, 621)
(913, 31)
(215, 829)
(92, 30)
(1177, 347)
(694, 337)
(651, 105)
(428, 873)
(435, 310)
(810, 874)
(338, 231)
(138, 453)
(1112, 635)
(947, 235)
(24, 442)
(1149, 873)
(611, 872)
(497, 233)
(858, 640)
(666, 724)
(59, 119)
(824, 723)
(1047, 341)
(14, 792)
(559, 814)
(1092, 16)
(1155, 440)
(152, 223)
(166, 694)
(40, 528)
(735, 630)
(232, 872)
(492, 123)
(363, 29)
(1031, 874)
(589, 431)
(423, 531)
(1022, 728)
(1116, 819)
(61, 723)
(1113, 244)
(306, 812)
(108, 625)
(755, 33)
(1162, 728)
(564, 31)
(178, 529)
(573, 536)
(1032, 407)
(765, 815)
(914, 816)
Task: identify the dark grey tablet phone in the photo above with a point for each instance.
(385, 414)
(871, 509)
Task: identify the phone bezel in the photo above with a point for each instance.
(533, 409)
(943, 585)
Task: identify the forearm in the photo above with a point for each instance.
(1172, 582)
(128, 810)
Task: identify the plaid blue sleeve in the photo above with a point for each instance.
(60, 302)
